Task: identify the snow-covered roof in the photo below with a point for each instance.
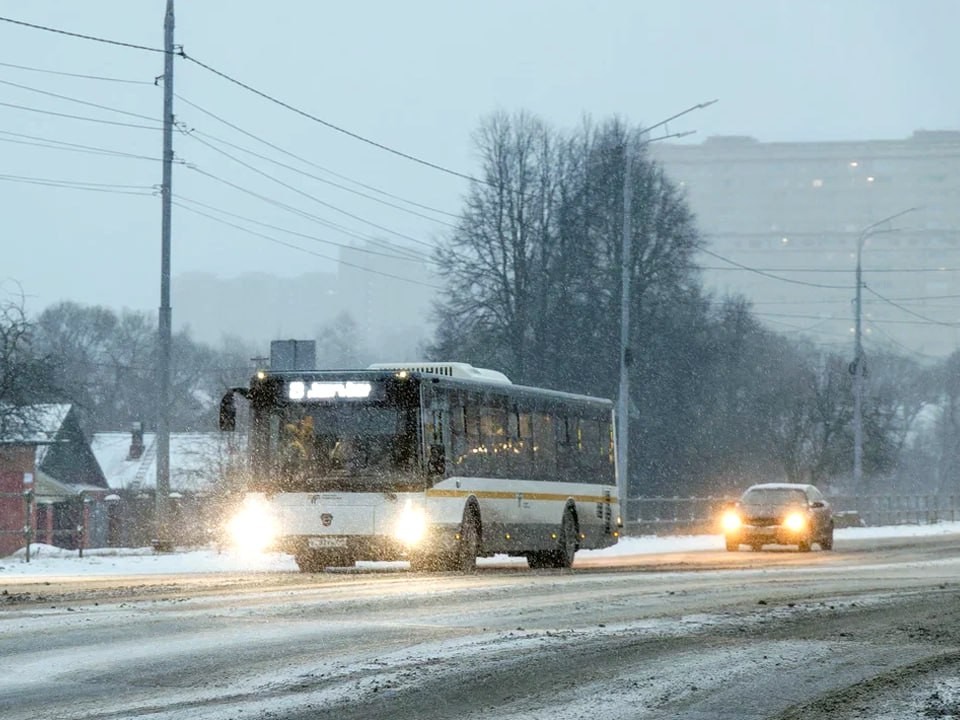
(197, 460)
(35, 424)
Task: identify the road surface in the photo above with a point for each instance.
(869, 630)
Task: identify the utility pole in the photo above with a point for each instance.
(626, 355)
(858, 366)
(623, 399)
(163, 541)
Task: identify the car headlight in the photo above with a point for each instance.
(411, 525)
(253, 528)
(795, 522)
(730, 521)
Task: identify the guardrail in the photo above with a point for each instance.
(699, 515)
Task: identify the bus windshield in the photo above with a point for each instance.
(341, 446)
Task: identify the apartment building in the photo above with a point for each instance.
(784, 221)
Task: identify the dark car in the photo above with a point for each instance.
(781, 514)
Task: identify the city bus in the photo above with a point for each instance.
(437, 464)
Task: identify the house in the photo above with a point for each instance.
(201, 465)
(52, 489)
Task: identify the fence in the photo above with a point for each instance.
(699, 515)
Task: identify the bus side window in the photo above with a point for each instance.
(606, 452)
(471, 422)
(566, 448)
(590, 455)
(520, 444)
(493, 431)
(544, 447)
(458, 431)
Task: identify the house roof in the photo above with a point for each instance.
(35, 424)
(197, 460)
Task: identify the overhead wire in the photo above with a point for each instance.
(306, 236)
(908, 311)
(120, 189)
(771, 276)
(314, 198)
(899, 344)
(82, 36)
(74, 147)
(60, 96)
(76, 75)
(260, 93)
(300, 158)
(301, 213)
(305, 250)
(86, 118)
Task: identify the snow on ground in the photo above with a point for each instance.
(46, 560)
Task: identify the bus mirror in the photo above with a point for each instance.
(437, 463)
(228, 413)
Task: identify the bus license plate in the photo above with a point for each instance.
(327, 542)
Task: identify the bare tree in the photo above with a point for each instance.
(492, 263)
(25, 377)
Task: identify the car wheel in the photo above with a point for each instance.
(804, 546)
(733, 545)
(756, 547)
(826, 542)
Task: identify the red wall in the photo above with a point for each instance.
(14, 462)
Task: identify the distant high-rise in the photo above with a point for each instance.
(386, 290)
(785, 220)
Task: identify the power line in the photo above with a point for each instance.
(260, 93)
(330, 125)
(73, 147)
(908, 310)
(77, 100)
(295, 233)
(80, 117)
(834, 270)
(773, 277)
(312, 197)
(82, 36)
(300, 213)
(304, 250)
(193, 131)
(898, 344)
(80, 185)
(76, 75)
(301, 159)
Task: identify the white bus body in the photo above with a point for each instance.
(425, 462)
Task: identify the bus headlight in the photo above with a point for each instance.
(411, 525)
(795, 522)
(253, 528)
(730, 521)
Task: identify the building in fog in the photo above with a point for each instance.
(783, 222)
(388, 291)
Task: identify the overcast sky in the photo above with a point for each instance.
(416, 76)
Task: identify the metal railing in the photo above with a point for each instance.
(698, 515)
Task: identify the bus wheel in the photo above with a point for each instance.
(569, 542)
(469, 548)
(310, 561)
(541, 559)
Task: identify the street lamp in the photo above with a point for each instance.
(623, 398)
(857, 366)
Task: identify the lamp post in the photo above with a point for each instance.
(623, 395)
(857, 366)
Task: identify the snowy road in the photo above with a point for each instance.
(871, 630)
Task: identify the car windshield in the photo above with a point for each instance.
(774, 497)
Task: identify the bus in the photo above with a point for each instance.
(434, 463)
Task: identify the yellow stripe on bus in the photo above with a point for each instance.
(506, 495)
